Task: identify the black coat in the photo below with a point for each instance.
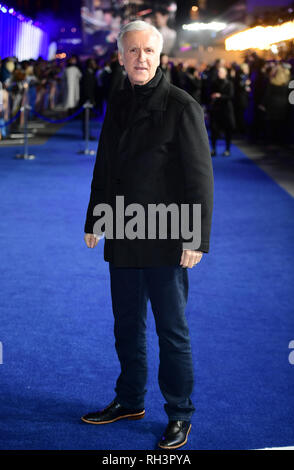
(241, 91)
(222, 114)
(276, 102)
(155, 152)
(193, 87)
(88, 86)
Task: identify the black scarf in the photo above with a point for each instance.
(137, 96)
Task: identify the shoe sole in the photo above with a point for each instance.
(180, 445)
(131, 417)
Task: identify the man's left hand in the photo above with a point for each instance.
(190, 258)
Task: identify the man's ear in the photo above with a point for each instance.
(120, 59)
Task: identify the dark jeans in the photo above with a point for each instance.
(167, 289)
(215, 136)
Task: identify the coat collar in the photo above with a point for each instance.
(153, 109)
(157, 99)
(144, 89)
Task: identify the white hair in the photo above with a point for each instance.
(138, 25)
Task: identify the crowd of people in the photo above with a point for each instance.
(249, 99)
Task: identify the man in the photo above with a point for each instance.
(169, 35)
(165, 66)
(222, 117)
(153, 148)
(88, 89)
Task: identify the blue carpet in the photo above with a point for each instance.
(56, 329)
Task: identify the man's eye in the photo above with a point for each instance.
(149, 50)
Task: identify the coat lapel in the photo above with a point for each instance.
(155, 107)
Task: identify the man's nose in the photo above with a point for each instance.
(141, 55)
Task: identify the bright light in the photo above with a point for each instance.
(172, 7)
(214, 25)
(144, 12)
(186, 47)
(62, 55)
(23, 39)
(194, 8)
(274, 48)
(260, 37)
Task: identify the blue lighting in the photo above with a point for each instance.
(24, 39)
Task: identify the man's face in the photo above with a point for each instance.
(164, 59)
(140, 56)
(222, 73)
(160, 20)
(92, 64)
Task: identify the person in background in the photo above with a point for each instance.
(165, 66)
(259, 76)
(117, 75)
(72, 76)
(6, 82)
(31, 80)
(179, 77)
(193, 83)
(54, 80)
(88, 90)
(241, 98)
(222, 118)
(6, 72)
(212, 71)
(40, 70)
(275, 104)
(169, 35)
(4, 112)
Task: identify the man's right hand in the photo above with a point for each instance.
(91, 240)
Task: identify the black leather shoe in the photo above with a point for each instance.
(175, 435)
(113, 412)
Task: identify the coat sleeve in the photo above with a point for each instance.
(98, 185)
(228, 92)
(196, 163)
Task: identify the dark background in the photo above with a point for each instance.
(70, 9)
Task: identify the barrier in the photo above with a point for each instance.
(87, 151)
(26, 108)
(7, 123)
(25, 155)
(59, 121)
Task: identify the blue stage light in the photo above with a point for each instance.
(23, 38)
